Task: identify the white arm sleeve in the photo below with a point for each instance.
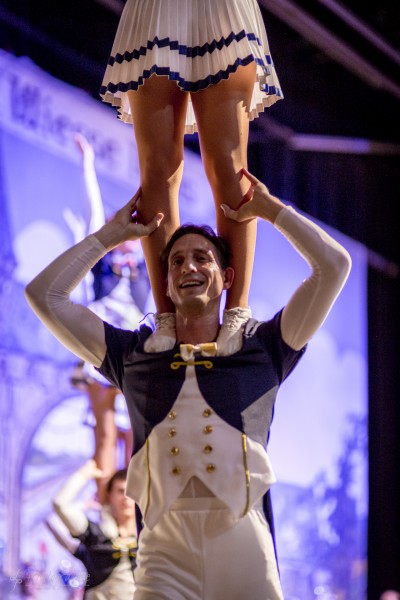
(330, 263)
(74, 325)
(70, 513)
(61, 533)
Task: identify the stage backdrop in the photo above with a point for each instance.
(318, 444)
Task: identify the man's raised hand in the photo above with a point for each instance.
(261, 203)
(124, 225)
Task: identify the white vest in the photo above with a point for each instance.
(193, 441)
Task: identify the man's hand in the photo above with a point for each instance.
(260, 204)
(90, 470)
(124, 226)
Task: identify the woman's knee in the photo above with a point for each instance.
(165, 162)
(162, 172)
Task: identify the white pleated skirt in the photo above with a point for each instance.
(196, 43)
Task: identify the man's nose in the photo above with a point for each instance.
(188, 266)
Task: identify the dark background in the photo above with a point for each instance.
(332, 147)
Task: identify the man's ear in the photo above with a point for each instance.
(229, 276)
(166, 288)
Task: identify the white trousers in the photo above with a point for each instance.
(196, 553)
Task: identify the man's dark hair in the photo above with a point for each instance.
(221, 245)
(120, 475)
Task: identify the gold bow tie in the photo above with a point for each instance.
(187, 351)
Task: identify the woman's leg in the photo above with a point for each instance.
(159, 113)
(222, 116)
(102, 400)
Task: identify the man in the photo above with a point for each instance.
(200, 472)
(107, 546)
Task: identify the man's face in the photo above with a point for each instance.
(195, 278)
(121, 505)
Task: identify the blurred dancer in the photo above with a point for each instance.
(117, 290)
(106, 547)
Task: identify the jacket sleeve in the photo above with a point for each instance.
(330, 265)
(74, 325)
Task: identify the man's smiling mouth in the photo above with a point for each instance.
(192, 283)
